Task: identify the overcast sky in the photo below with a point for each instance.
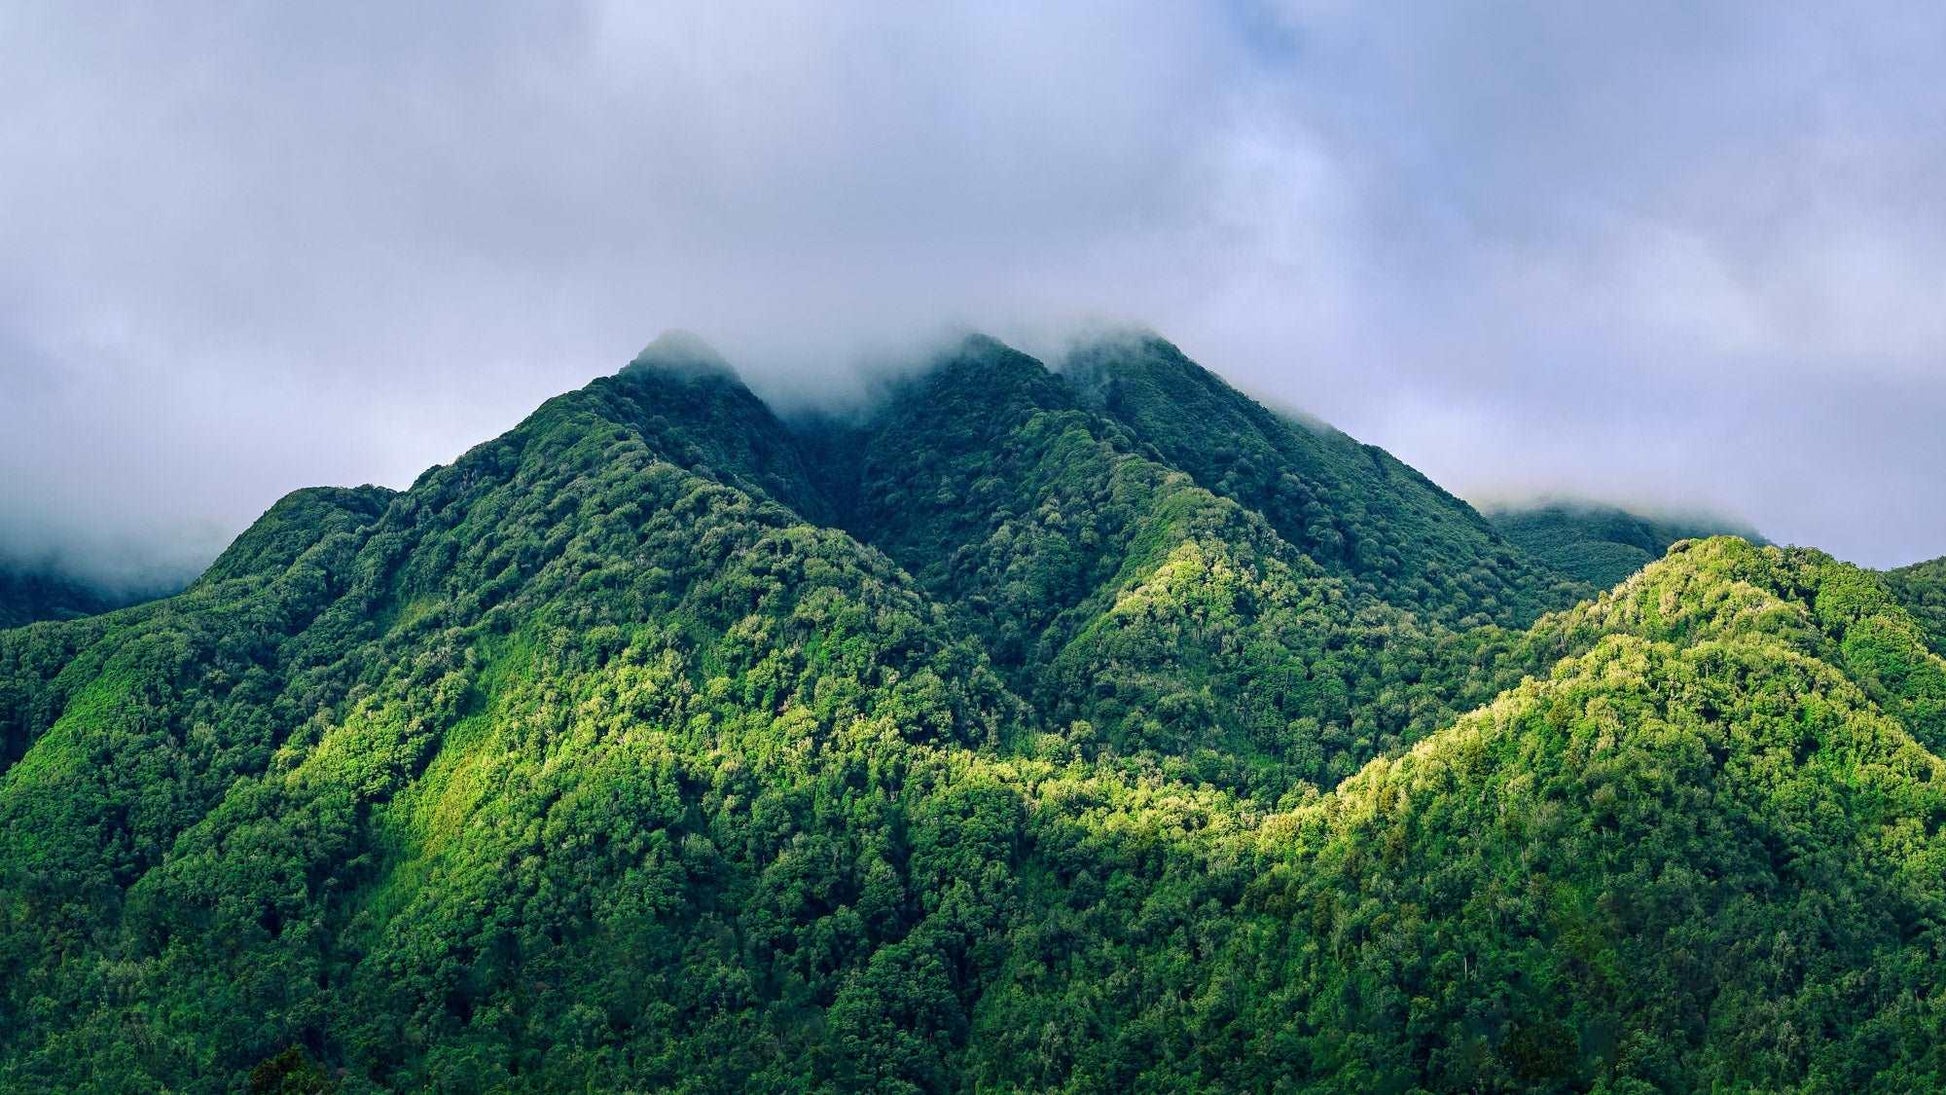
(1669, 253)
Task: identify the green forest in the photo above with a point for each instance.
(1086, 728)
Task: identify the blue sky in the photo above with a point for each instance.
(1679, 255)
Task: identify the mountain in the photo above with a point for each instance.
(29, 593)
(999, 737)
(1598, 544)
(1353, 508)
(1076, 550)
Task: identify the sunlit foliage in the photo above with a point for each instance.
(1006, 738)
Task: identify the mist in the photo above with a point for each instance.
(1652, 253)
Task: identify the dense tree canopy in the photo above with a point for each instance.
(1921, 587)
(1010, 736)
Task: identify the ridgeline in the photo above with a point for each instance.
(1083, 729)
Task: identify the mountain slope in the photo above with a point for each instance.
(1597, 544)
(27, 596)
(295, 525)
(32, 593)
(253, 799)
(656, 746)
(1044, 524)
(1921, 587)
(1696, 856)
(1353, 508)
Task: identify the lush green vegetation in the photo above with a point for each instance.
(1354, 508)
(1002, 738)
(1598, 544)
(1921, 587)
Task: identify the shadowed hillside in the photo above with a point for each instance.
(1601, 545)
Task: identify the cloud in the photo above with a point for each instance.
(1650, 250)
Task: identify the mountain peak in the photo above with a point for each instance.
(859, 756)
(684, 355)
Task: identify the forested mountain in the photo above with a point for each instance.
(1016, 734)
(1353, 508)
(30, 592)
(1601, 544)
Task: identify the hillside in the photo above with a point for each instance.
(1921, 587)
(1353, 508)
(1042, 525)
(1598, 544)
(29, 593)
(1003, 737)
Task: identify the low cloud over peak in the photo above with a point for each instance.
(1650, 251)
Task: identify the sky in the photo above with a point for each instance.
(1677, 255)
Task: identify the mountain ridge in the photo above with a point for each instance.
(647, 746)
